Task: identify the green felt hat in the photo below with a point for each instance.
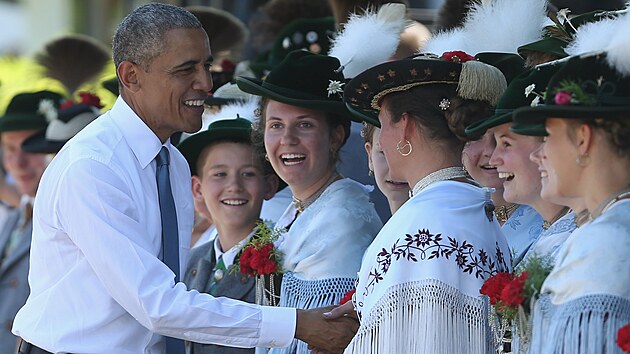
(514, 97)
(510, 64)
(363, 94)
(238, 129)
(583, 87)
(302, 79)
(30, 111)
(557, 36)
(310, 34)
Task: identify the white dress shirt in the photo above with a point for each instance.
(97, 285)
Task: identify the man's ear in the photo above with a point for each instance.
(271, 185)
(128, 75)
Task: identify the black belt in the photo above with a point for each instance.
(28, 348)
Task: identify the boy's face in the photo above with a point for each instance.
(232, 184)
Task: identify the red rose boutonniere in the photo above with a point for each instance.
(623, 338)
(261, 259)
(512, 296)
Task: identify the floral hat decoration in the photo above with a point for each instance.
(524, 91)
(66, 122)
(589, 85)
(470, 78)
(30, 111)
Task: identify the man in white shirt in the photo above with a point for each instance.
(97, 282)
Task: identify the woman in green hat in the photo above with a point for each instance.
(418, 288)
(586, 155)
(331, 221)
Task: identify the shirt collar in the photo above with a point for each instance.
(229, 255)
(140, 138)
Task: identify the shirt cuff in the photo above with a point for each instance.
(278, 327)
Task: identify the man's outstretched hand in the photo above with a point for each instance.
(329, 335)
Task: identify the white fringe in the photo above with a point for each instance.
(309, 294)
(585, 325)
(425, 316)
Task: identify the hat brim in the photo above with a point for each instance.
(11, 122)
(546, 45)
(38, 144)
(259, 88)
(539, 114)
(479, 128)
(364, 115)
(191, 147)
(529, 129)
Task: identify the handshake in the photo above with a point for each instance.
(327, 329)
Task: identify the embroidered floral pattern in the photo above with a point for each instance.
(424, 246)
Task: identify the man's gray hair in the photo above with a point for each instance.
(140, 36)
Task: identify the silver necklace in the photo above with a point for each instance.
(300, 205)
(439, 175)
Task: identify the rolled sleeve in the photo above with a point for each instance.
(278, 327)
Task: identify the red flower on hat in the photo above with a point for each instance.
(87, 98)
(562, 98)
(623, 338)
(457, 56)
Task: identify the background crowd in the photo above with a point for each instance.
(330, 176)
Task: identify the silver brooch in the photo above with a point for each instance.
(445, 103)
(218, 274)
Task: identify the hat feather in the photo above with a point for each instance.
(446, 41)
(494, 26)
(243, 109)
(618, 55)
(73, 60)
(379, 30)
(593, 37)
(504, 25)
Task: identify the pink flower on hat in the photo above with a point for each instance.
(563, 98)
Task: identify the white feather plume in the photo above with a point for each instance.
(369, 39)
(618, 49)
(494, 26)
(504, 25)
(243, 108)
(593, 37)
(446, 41)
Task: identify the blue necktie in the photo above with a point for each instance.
(170, 237)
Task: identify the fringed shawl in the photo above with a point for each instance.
(323, 248)
(586, 298)
(418, 289)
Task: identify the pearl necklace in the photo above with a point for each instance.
(439, 175)
(300, 205)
